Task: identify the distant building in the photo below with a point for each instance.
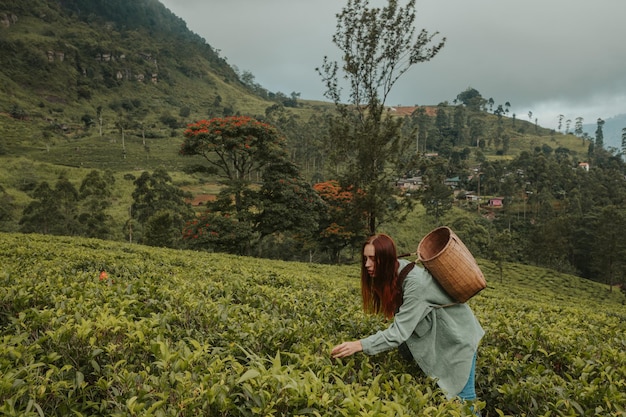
(584, 165)
(413, 183)
(452, 182)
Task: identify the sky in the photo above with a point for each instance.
(548, 57)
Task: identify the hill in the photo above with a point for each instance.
(169, 332)
(612, 131)
(72, 68)
(112, 85)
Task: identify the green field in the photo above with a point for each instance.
(180, 333)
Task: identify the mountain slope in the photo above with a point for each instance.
(61, 62)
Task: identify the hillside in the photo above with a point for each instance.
(67, 70)
(111, 86)
(170, 332)
(107, 86)
(612, 130)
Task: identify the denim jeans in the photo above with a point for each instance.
(469, 391)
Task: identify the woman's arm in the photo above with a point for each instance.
(413, 309)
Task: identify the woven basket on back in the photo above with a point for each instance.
(445, 256)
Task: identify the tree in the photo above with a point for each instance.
(458, 125)
(100, 121)
(286, 203)
(156, 198)
(95, 198)
(67, 200)
(218, 231)
(378, 45)
(476, 131)
(578, 126)
(64, 210)
(163, 229)
(6, 209)
(422, 121)
(472, 99)
(42, 214)
(243, 152)
(500, 250)
(624, 140)
(337, 225)
(599, 134)
(437, 199)
(236, 147)
(609, 246)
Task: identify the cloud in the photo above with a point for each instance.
(549, 57)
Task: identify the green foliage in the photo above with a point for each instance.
(172, 332)
(241, 148)
(65, 210)
(160, 209)
(288, 203)
(6, 207)
(471, 98)
(219, 232)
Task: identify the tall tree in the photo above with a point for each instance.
(64, 210)
(42, 214)
(286, 203)
(609, 246)
(578, 126)
(599, 134)
(472, 99)
(67, 200)
(378, 45)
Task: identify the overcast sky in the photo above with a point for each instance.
(549, 57)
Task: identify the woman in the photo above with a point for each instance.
(441, 335)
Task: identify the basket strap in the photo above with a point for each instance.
(446, 305)
(405, 271)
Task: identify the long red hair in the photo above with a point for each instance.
(381, 293)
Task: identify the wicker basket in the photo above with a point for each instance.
(445, 256)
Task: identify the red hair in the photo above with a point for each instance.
(381, 293)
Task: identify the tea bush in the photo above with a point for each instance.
(181, 333)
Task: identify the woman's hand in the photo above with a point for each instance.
(346, 349)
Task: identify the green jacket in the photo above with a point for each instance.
(443, 341)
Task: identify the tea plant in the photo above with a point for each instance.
(181, 333)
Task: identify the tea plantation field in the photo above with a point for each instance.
(180, 333)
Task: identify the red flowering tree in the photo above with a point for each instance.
(218, 231)
(340, 227)
(237, 147)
